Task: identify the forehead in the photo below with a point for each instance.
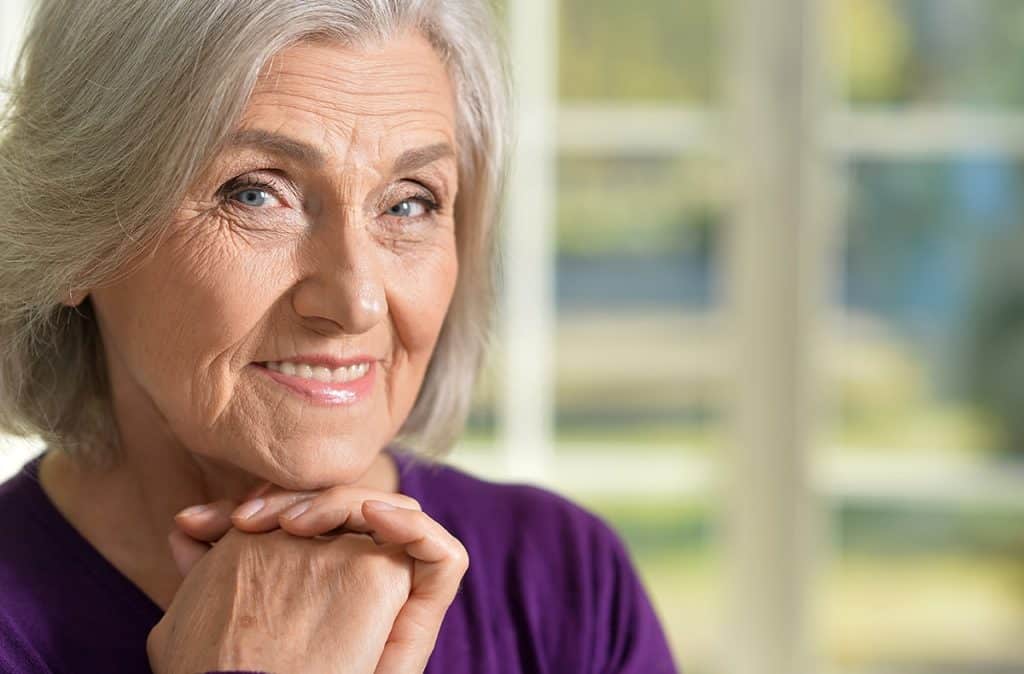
(376, 100)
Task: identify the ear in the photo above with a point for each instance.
(74, 298)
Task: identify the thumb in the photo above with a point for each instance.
(186, 550)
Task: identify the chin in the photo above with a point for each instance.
(320, 465)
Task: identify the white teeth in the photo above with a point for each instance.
(319, 373)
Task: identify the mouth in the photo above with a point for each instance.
(320, 385)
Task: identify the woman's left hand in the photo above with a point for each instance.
(440, 560)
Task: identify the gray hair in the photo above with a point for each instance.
(111, 97)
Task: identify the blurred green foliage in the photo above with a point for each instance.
(633, 51)
(930, 51)
(637, 205)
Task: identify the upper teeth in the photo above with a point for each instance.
(342, 374)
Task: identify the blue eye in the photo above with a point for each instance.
(250, 192)
(254, 197)
(408, 207)
(405, 208)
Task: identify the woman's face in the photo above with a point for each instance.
(321, 237)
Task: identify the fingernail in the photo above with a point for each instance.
(247, 510)
(379, 505)
(193, 510)
(296, 510)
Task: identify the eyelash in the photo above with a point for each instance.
(248, 182)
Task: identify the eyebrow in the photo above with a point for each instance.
(277, 144)
(303, 152)
(410, 160)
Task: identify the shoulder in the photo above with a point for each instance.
(22, 512)
(21, 614)
(26, 556)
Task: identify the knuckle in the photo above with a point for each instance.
(459, 555)
(409, 502)
(420, 519)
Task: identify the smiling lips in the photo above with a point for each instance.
(318, 384)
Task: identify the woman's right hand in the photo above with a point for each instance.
(439, 560)
(279, 603)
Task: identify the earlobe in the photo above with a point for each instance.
(75, 297)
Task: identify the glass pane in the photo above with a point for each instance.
(629, 51)
(640, 366)
(928, 369)
(925, 588)
(925, 288)
(637, 359)
(481, 426)
(931, 51)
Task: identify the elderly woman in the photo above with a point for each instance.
(245, 280)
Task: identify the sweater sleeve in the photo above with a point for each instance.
(636, 641)
(591, 611)
(628, 634)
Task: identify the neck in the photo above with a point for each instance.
(127, 510)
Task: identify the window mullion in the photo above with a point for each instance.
(775, 266)
(528, 260)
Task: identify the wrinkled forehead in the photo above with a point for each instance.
(357, 104)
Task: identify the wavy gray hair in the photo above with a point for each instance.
(110, 97)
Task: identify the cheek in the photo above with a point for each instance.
(219, 295)
(418, 300)
(194, 304)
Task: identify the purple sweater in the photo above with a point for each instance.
(550, 587)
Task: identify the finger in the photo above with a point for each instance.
(269, 511)
(346, 494)
(260, 514)
(421, 536)
(208, 524)
(320, 521)
(185, 551)
(337, 513)
(441, 562)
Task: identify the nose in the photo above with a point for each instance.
(343, 290)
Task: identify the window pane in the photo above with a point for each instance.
(637, 357)
(925, 279)
(481, 426)
(627, 51)
(925, 587)
(639, 367)
(931, 51)
(929, 374)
